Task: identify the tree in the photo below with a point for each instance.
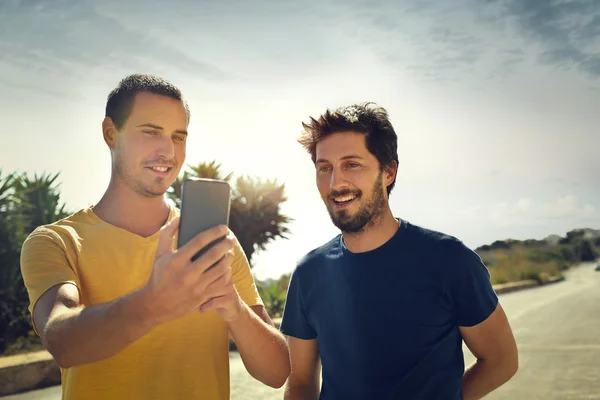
(11, 233)
(25, 203)
(587, 251)
(255, 217)
(274, 293)
(38, 199)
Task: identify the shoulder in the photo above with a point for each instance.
(309, 265)
(327, 251)
(437, 242)
(448, 254)
(456, 260)
(58, 232)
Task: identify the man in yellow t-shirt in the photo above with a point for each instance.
(125, 314)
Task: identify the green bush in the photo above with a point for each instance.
(531, 274)
(273, 295)
(15, 323)
(24, 204)
(568, 253)
(588, 253)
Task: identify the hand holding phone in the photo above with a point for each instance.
(177, 285)
(199, 271)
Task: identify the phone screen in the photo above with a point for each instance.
(204, 203)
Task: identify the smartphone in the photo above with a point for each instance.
(204, 203)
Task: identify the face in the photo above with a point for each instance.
(149, 150)
(351, 182)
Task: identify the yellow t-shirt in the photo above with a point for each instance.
(187, 358)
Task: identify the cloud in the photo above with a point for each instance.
(468, 42)
(468, 39)
(528, 212)
(61, 94)
(429, 39)
(72, 39)
(568, 31)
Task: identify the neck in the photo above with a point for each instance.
(373, 235)
(123, 207)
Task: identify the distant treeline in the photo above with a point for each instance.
(513, 260)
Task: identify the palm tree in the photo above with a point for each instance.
(10, 234)
(25, 203)
(39, 199)
(255, 216)
(273, 297)
(274, 293)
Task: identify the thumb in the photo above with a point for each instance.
(166, 237)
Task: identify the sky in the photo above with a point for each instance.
(494, 101)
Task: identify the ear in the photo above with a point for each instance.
(390, 173)
(109, 131)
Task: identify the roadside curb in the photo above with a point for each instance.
(24, 372)
(28, 371)
(526, 284)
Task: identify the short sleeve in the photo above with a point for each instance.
(294, 320)
(243, 279)
(44, 264)
(472, 293)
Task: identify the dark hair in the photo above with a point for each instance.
(120, 100)
(366, 118)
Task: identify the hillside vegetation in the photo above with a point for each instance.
(514, 260)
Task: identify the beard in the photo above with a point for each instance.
(157, 188)
(368, 214)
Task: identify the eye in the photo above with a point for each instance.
(353, 165)
(150, 132)
(323, 169)
(179, 138)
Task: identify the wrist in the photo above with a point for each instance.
(240, 311)
(140, 310)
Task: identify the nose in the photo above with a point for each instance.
(337, 180)
(166, 149)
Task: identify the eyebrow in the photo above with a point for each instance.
(349, 157)
(160, 128)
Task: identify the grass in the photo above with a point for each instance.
(524, 263)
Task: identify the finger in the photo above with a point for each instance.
(220, 269)
(214, 255)
(214, 280)
(217, 286)
(201, 240)
(216, 291)
(221, 281)
(166, 237)
(214, 303)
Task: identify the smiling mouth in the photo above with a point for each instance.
(342, 200)
(161, 170)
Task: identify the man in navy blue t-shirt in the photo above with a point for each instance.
(384, 306)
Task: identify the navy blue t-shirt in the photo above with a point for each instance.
(387, 320)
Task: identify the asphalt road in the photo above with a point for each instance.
(558, 333)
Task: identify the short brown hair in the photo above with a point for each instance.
(120, 100)
(366, 118)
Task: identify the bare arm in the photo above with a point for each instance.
(305, 376)
(493, 344)
(176, 287)
(107, 328)
(262, 347)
